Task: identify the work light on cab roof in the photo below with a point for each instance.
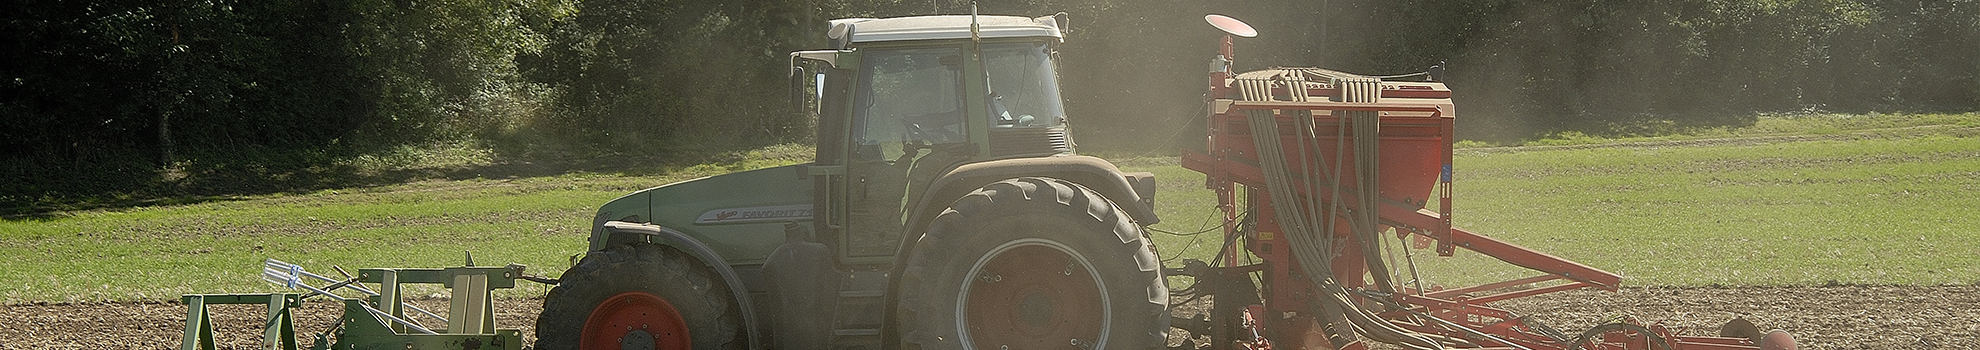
(867, 30)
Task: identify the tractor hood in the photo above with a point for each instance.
(739, 215)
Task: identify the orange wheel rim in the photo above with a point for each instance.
(633, 320)
(1033, 296)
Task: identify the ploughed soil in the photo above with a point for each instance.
(1841, 317)
(1827, 317)
(161, 325)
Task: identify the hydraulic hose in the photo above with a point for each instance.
(1306, 227)
(1368, 175)
(1374, 325)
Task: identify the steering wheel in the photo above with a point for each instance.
(932, 126)
(921, 137)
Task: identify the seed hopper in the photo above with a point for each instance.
(1313, 169)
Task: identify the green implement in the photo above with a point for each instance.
(378, 319)
(278, 333)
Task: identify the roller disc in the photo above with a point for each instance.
(1739, 327)
(1777, 340)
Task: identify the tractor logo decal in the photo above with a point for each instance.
(755, 214)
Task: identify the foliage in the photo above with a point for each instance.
(1594, 66)
(146, 100)
(117, 98)
(1523, 69)
(641, 75)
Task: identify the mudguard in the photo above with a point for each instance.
(1133, 192)
(620, 231)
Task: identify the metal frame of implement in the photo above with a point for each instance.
(377, 320)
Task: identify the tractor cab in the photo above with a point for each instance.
(902, 102)
(970, 86)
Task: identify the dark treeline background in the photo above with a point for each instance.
(129, 100)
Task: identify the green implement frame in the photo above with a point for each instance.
(279, 333)
(377, 320)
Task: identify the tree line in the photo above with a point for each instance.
(162, 98)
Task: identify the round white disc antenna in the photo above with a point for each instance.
(1231, 25)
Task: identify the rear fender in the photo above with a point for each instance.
(1131, 192)
(619, 232)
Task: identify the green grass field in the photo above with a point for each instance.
(217, 246)
(1791, 201)
(1860, 210)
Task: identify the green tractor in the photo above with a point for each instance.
(945, 209)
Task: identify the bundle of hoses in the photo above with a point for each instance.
(1307, 224)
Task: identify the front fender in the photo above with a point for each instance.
(619, 231)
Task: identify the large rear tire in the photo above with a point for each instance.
(1033, 263)
(632, 295)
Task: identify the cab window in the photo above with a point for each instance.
(907, 96)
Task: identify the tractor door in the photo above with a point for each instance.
(907, 125)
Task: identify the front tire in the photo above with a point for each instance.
(630, 296)
(1033, 263)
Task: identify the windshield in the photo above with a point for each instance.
(909, 95)
(1024, 85)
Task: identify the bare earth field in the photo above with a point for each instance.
(1838, 317)
(1842, 317)
(161, 325)
(1829, 317)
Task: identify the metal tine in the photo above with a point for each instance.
(287, 274)
(408, 324)
(290, 275)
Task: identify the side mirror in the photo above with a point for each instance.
(797, 89)
(803, 80)
(1064, 22)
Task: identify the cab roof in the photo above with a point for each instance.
(865, 30)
